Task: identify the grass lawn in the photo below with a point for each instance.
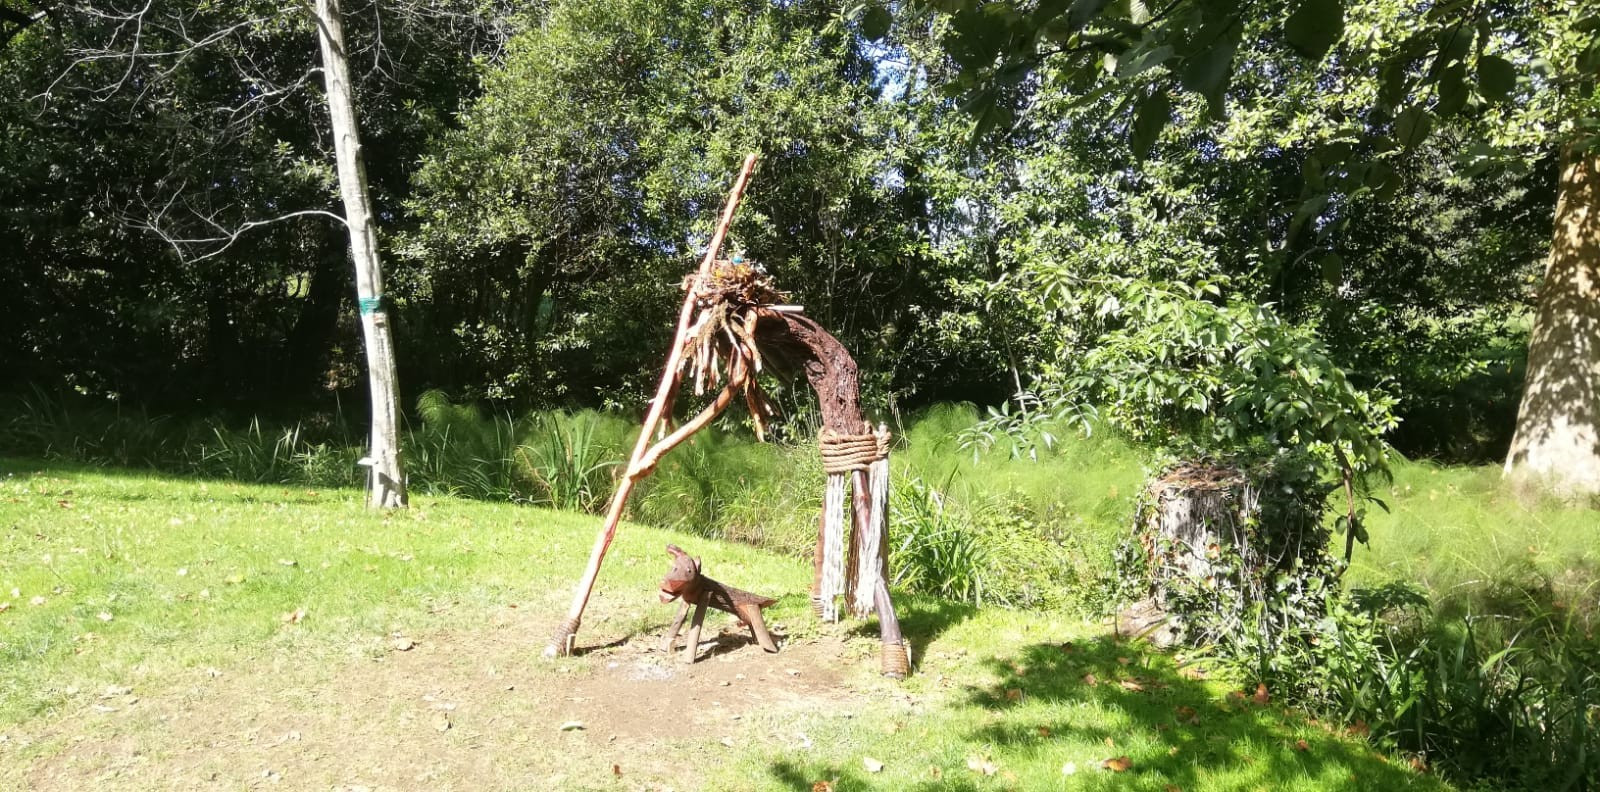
(1455, 529)
(165, 633)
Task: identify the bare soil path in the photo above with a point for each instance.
(461, 710)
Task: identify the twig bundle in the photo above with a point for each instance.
(721, 341)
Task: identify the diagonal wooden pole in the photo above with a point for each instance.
(561, 642)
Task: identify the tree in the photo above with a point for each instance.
(387, 485)
(195, 194)
(1366, 85)
(558, 222)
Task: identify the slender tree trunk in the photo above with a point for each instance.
(387, 482)
(1557, 443)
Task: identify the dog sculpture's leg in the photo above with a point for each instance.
(677, 624)
(751, 614)
(693, 648)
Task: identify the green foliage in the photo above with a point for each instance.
(935, 552)
(1491, 690)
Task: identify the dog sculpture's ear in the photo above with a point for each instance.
(697, 566)
(675, 551)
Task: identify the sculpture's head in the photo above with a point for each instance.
(680, 579)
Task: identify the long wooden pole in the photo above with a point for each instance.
(561, 641)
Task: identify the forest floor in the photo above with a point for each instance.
(164, 633)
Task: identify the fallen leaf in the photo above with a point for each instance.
(36, 601)
(1188, 715)
(402, 644)
(295, 616)
(236, 579)
(1069, 768)
(1261, 696)
(891, 727)
(1124, 660)
(872, 765)
(980, 764)
(1302, 745)
(1110, 743)
(616, 770)
(570, 726)
(5, 606)
(1132, 685)
(1192, 672)
(822, 786)
(442, 723)
(1119, 764)
(103, 616)
(728, 741)
(1090, 680)
(1013, 694)
(1359, 729)
(1068, 648)
(1172, 788)
(1044, 731)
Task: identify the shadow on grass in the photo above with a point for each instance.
(1113, 700)
(922, 621)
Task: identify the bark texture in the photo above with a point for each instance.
(1557, 441)
(387, 487)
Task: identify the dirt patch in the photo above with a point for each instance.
(467, 710)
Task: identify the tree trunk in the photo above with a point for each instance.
(387, 482)
(1557, 443)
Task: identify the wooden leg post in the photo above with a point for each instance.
(677, 624)
(561, 643)
(693, 648)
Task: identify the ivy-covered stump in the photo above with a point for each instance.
(1213, 541)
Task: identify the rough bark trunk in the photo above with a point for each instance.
(1557, 442)
(387, 481)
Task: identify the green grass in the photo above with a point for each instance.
(1456, 528)
(195, 574)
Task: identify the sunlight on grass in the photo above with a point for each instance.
(1450, 527)
(122, 579)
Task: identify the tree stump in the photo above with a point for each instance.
(1211, 545)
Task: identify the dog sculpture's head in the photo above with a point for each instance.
(682, 575)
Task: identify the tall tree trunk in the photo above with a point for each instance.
(1557, 444)
(387, 481)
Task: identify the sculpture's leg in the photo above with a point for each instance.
(693, 648)
(816, 565)
(677, 624)
(896, 657)
(751, 614)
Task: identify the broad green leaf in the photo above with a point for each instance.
(1315, 26)
(1154, 112)
(1452, 91)
(1309, 210)
(1332, 266)
(1413, 126)
(875, 22)
(1208, 72)
(1144, 61)
(1082, 11)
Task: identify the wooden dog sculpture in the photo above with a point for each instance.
(684, 582)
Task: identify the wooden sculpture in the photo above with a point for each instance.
(686, 583)
(732, 327)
